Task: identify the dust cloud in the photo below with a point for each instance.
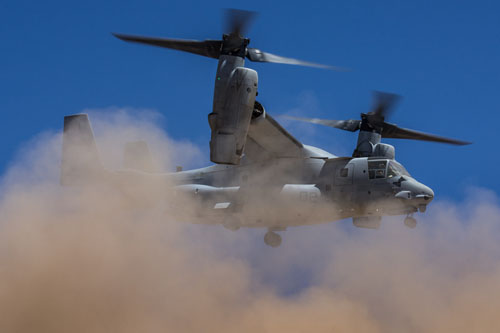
(94, 259)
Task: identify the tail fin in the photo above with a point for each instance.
(137, 156)
(80, 158)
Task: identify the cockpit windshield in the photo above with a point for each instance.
(396, 169)
(385, 169)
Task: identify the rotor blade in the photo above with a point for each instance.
(384, 104)
(238, 20)
(351, 125)
(260, 56)
(395, 132)
(207, 48)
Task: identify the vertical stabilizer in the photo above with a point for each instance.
(137, 156)
(80, 159)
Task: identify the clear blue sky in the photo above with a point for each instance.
(58, 58)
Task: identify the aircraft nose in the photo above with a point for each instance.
(426, 193)
(418, 192)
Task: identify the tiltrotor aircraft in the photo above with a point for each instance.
(264, 177)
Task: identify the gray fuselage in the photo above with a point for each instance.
(317, 188)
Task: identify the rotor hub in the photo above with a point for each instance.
(234, 45)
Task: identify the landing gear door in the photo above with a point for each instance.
(344, 174)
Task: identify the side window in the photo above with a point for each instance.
(344, 172)
(376, 169)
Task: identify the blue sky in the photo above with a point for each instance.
(58, 58)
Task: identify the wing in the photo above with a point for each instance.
(268, 139)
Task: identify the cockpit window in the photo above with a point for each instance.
(391, 171)
(396, 169)
(376, 169)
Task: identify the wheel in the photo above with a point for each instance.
(272, 239)
(410, 222)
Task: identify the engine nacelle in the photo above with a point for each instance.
(234, 100)
(384, 150)
(369, 146)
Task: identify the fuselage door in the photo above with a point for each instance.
(342, 189)
(344, 174)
